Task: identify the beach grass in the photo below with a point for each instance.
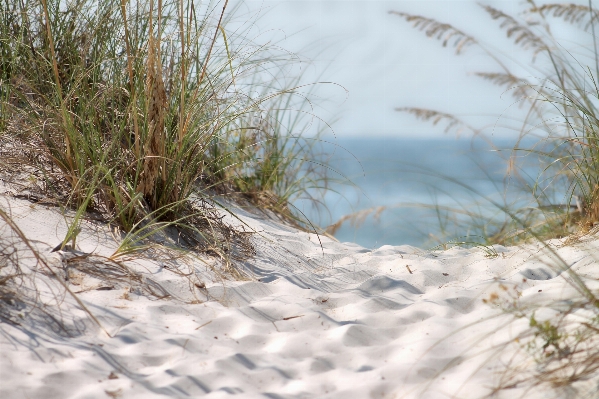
(558, 89)
(130, 109)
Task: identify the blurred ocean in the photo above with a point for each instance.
(418, 173)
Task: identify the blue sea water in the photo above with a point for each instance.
(413, 178)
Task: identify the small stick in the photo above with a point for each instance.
(408, 267)
(205, 324)
(292, 317)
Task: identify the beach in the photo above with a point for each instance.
(312, 318)
(190, 209)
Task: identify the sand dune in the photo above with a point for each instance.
(318, 319)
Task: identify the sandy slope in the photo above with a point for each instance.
(316, 321)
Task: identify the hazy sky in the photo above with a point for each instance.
(384, 63)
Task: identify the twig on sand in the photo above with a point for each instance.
(205, 324)
(292, 317)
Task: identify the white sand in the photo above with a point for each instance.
(337, 321)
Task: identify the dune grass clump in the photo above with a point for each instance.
(130, 108)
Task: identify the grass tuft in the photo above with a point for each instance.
(130, 109)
